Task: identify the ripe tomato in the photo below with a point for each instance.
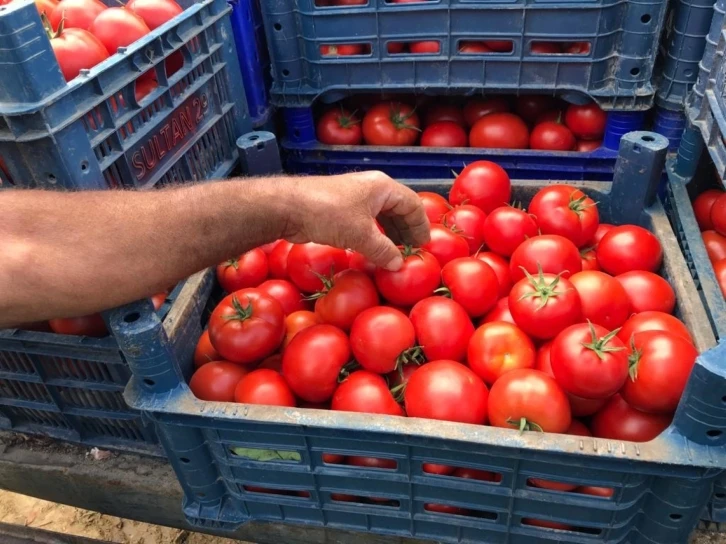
(529, 400)
(578, 428)
(587, 146)
(647, 291)
(425, 47)
(577, 48)
(618, 420)
(154, 12)
(476, 108)
(501, 268)
(445, 509)
(550, 484)
(204, 352)
(356, 261)
(339, 127)
(473, 48)
(604, 300)
(216, 381)
(585, 407)
(505, 228)
(468, 221)
(277, 259)
(567, 211)
(660, 364)
(547, 524)
(443, 328)
(441, 470)
(313, 360)
(285, 293)
(445, 244)
(589, 361)
(483, 184)
(118, 27)
(702, 206)
(544, 305)
(381, 338)
(267, 248)
(531, 106)
(401, 376)
(371, 462)
(552, 136)
(586, 122)
(497, 348)
(435, 205)
(545, 48)
(542, 362)
(472, 283)
(602, 230)
(264, 386)
(247, 326)
(446, 390)
(444, 134)
(500, 46)
(653, 321)
(715, 245)
(247, 270)
(629, 247)
(437, 113)
(364, 391)
(77, 49)
(344, 297)
(342, 50)
(417, 278)
(273, 362)
(76, 14)
(308, 263)
(719, 269)
(391, 123)
(500, 312)
(555, 254)
(718, 214)
(44, 7)
(297, 321)
(85, 325)
(501, 131)
(605, 492)
(588, 257)
(476, 474)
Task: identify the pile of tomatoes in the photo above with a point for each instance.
(525, 122)
(710, 210)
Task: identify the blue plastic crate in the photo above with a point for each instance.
(698, 92)
(616, 72)
(92, 133)
(303, 154)
(661, 487)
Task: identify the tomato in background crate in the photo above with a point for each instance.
(391, 123)
(76, 13)
(86, 325)
(118, 27)
(552, 136)
(76, 49)
(437, 113)
(476, 108)
(338, 126)
(154, 12)
(587, 121)
(499, 131)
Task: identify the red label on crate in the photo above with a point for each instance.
(179, 128)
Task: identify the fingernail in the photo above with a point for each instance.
(394, 264)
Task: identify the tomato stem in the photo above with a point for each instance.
(578, 205)
(347, 370)
(241, 313)
(599, 345)
(443, 291)
(542, 289)
(634, 360)
(233, 262)
(408, 251)
(524, 425)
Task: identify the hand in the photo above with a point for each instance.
(341, 211)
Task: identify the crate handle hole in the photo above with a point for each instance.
(260, 145)
(634, 71)
(277, 26)
(149, 382)
(723, 399)
(51, 178)
(720, 495)
(185, 460)
(647, 138)
(645, 19)
(688, 73)
(132, 317)
(286, 72)
(714, 433)
(676, 517)
(201, 495)
(84, 166)
(254, 137)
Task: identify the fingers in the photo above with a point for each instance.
(405, 214)
(379, 249)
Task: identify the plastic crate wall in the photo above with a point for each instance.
(661, 487)
(93, 133)
(616, 72)
(694, 99)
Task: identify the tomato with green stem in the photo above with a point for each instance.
(435, 206)
(446, 244)
(469, 221)
(308, 263)
(382, 340)
(443, 328)
(566, 211)
(483, 184)
(366, 392)
(506, 227)
(248, 270)
(344, 297)
(417, 279)
(552, 253)
(470, 282)
(392, 124)
(339, 127)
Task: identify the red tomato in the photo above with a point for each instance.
(445, 509)
(588, 257)
(445, 244)
(364, 391)
(356, 261)
(381, 338)
(506, 228)
(444, 134)
(660, 364)
(544, 305)
(204, 352)
(719, 269)
(552, 116)
(273, 362)
(423, 48)
(443, 328)
(437, 113)
(549, 484)
(483, 184)
(441, 470)
(154, 12)
(501, 268)
(277, 260)
(567, 211)
(297, 321)
(555, 254)
(339, 127)
(497, 348)
(247, 270)
(552, 136)
(344, 297)
(435, 205)
(308, 263)
(545, 48)
(653, 321)
(469, 221)
(476, 108)
(118, 27)
(446, 390)
(589, 361)
(77, 49)
(619, 421)
(216, 380)
(342, 50)
(313, 360)
(605, 492)
(285, 293)
(76, 14)
(371, 462)
(247, 326)
(585, 407)
(715, 245)
(473, 48)
(604, 300)
(500, 131)
(416, 280)
(267, 248)
(396, 48)
(602, 230)
(587, 146)
(264, 386)
(391, 123)
(647, 291)
(472, 283)
(401, 376)
(542, 361)
(629, 247)
(578, 428)
(499, 313)
(531, 106)
(718, 214)
(546, 524)
(586, 122)
(702, 206)
(476, 474)
(85, 325)
(530, 400)
(577, 48)
(44, 7)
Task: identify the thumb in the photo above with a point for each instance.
(380, 250)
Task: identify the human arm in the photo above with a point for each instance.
(69, 254)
